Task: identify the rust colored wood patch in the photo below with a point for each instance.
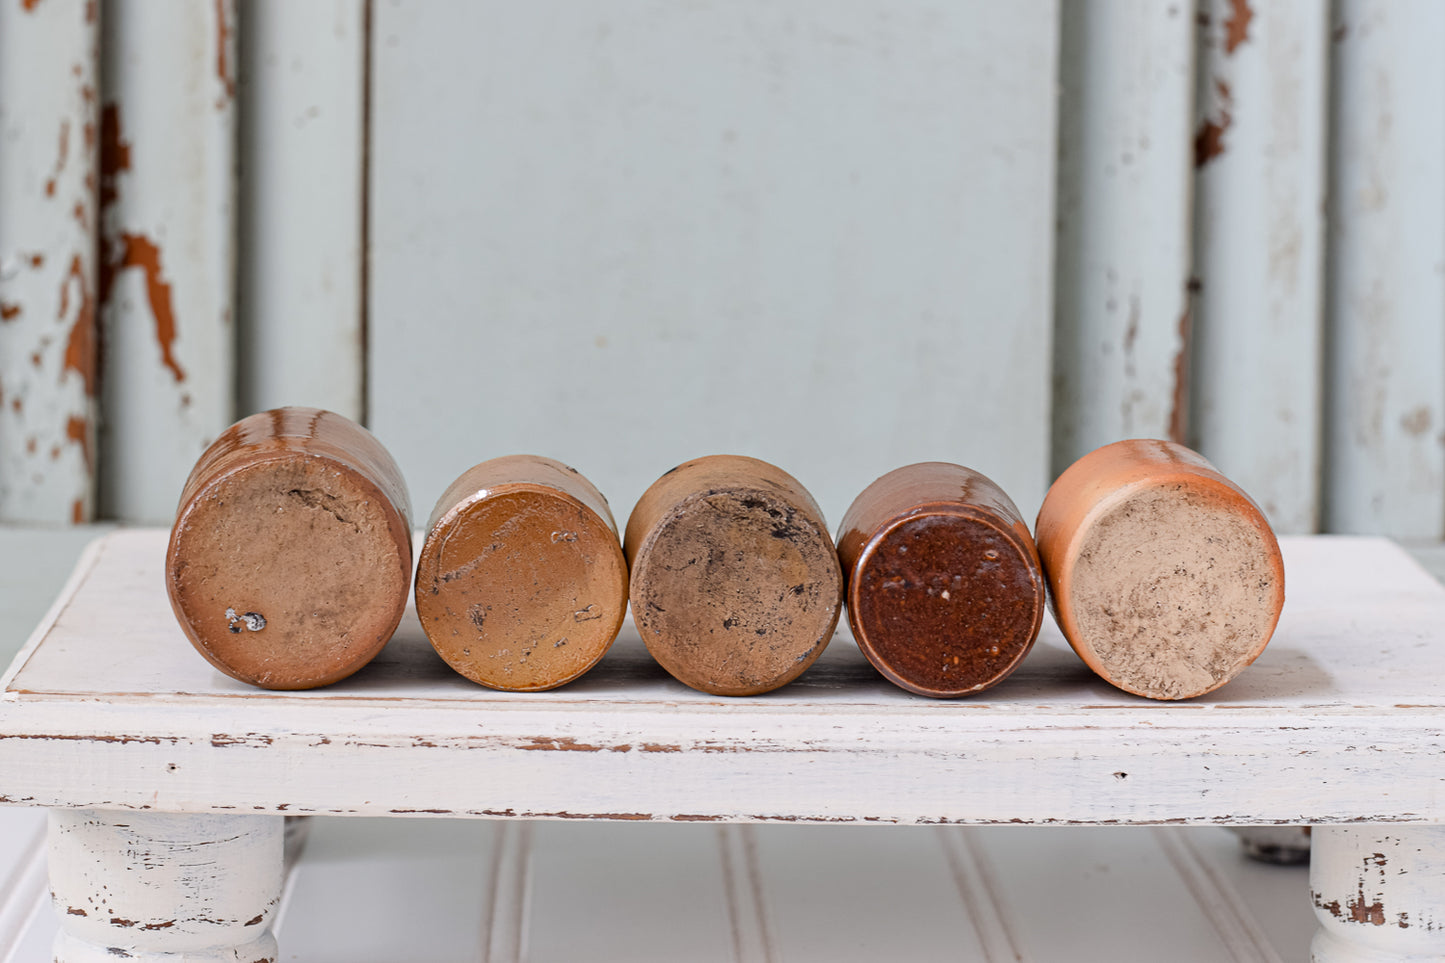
(1236, 25)
(138, 251)
(1209, 139)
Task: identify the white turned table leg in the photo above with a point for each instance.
(155, 887)
(1379, 893)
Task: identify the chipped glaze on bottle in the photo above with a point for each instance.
(736, 587)
(944, 588)
(521, 583)
(289, 562)
(1163, 574)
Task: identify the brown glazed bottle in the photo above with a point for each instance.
(290, 558)
(945, 593)
(521, 583)
(736, 587)
(1164, 575)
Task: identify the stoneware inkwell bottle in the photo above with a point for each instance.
(1164, 575)
(736, 587)
(521, 582)
(945, 593)
(289, 562)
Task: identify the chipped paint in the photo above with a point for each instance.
(62, 154)
(80, 346)
(77, 430)
(1417, 421)
(563, 744)
(221, 739)
(223, 66)
(1179, 402)
(1236, 25)
(1362, 912)
(139, 251)
(114, 155)
(9, 312)
(1209, 139)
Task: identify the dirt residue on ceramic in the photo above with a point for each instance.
(945, 593)
(521, 583)
(1165, 576)
(736, 587)
(290, 559)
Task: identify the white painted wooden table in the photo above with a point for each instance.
(167, 782)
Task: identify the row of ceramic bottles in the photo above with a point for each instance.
(290, 563)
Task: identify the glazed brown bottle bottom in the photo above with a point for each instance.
(736, 592)
(1173, 593)
(288, 573)
(524, 590)
(945, 604)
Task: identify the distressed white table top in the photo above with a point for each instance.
(1341, 719)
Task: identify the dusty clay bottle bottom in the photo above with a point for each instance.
(736, 592)
(1174, 593)
(944, 603)
(523, 590)
(288, 572)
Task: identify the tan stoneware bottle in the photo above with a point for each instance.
(521, 583)
(736, 587)
(1164, 575)
(945, 593)
(289, 563)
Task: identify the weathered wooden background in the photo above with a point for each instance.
(838, 236)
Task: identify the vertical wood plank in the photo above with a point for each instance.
(167, 246)
(1385, 410)
(619, 891)
(900, 892)
(1259, 146)
(1059, 883)
(49, 65)
(747, 914)
(508, 899)
(23, 889)
(1275, 896)
(389, 889)
(638, 233)
(978, 890)
(302, 118)
(1216, 896)
(1125, 157)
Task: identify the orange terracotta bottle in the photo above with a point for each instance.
(521, 583)
(1164, 575)
(945, 593)
(290, 559)
(736, 587)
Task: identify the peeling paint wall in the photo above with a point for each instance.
(1259, 250)
(1385, 408)
(302, 128)
(841, 258)
(167, 247)
(1122, 337)
(48, 135)
(629, 234)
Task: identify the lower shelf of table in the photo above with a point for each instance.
(447, 890)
